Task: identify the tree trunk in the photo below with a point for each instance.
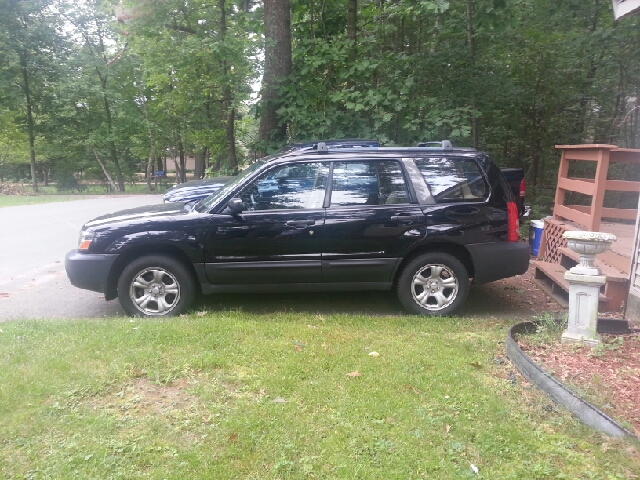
(471, 39)
(104, 169)
(352, 19)
(114, 159)
(232, 159)
(183, 167)
(152, 156)
(30, 123)
(352, 24)
(227, 102)
(277, 67)
(112, 145)
(199, 164)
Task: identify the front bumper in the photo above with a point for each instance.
(496, 260)
(89, 271)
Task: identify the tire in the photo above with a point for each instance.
(156, 286)
(446, 277)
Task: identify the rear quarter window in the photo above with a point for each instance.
(454, 179)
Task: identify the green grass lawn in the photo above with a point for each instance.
(13, 200)
(234, 395)
(50, 194)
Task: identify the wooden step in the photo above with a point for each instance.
(613, 274)
(550, 278)
(616, 260)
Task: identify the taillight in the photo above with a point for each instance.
(512, 222)
(523, 188)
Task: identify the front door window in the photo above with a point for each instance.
(289, 187)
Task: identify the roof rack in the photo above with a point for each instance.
(444, 145)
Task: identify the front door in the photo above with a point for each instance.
(370, 222)
(277, 239)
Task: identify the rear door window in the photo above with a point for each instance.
(454, 179)
(368, 183)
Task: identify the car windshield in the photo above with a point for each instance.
(207, 203)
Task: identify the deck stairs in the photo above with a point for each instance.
(555, 258)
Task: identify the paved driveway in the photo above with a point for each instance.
(33, 242)
(33, 284)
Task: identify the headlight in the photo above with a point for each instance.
(85, 240)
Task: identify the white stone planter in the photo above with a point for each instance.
(588, 245)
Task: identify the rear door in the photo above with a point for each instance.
(465, 212)
(370, 222)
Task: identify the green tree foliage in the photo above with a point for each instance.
(196, 69)
(31, 50)
(104, 95)
(523, 75)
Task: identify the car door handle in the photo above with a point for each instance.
(404, 218)
(300, 223)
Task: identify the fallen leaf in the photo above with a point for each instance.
(298, 346)
(355, 373)
(374, 354)
(279, 400)
(233, 437)
(447, 428)
(476, 364)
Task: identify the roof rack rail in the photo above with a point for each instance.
(444, 144)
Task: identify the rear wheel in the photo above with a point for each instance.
(156, 286)
(433, 284)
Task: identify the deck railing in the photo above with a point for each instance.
(590, 216)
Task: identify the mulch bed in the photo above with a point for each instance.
(608, 376)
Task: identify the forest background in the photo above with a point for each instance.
(101, 90)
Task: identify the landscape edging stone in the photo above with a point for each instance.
(560, 394)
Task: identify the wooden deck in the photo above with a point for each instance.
(555, 258)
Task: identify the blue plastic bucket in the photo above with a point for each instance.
(535, 235)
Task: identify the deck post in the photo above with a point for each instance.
(597, 200)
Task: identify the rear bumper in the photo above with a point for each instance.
(89, 271)
(496, 260)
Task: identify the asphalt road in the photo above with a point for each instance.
(33, 242)
(33, 283)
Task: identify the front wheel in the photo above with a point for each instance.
(156, 286)
(433, 284)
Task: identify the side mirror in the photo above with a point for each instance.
(234, 206)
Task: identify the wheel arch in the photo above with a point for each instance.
(454, 249)
(138, 251)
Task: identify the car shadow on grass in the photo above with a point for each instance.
(491, 300)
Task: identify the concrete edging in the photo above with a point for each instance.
(563, 396)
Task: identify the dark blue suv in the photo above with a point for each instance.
(424, 221)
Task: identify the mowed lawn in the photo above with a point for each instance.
(233, 395)
(14, 200)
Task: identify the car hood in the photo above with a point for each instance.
(139, 213)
